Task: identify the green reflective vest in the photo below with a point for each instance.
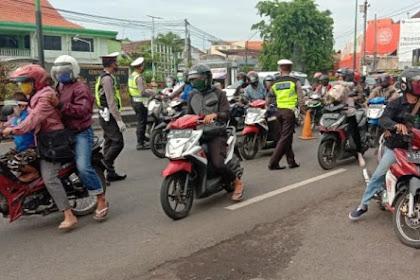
(100, 93)
(285, 92)
(133, 88)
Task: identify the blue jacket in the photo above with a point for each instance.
(24, 141)
(186, 94)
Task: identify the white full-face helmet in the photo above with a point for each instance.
(65, 69)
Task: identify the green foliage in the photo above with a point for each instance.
(296, 30)
(6, 89)
(171, 39)
(143, 51)
(417, 64)
(246, 69)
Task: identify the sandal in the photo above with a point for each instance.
(101, 215)
(67, 225)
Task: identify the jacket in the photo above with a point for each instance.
(210, 101)
(42, 115)
(76, 106)
(26, 140)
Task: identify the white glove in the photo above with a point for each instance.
(122, 126)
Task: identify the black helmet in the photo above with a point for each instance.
(410, 81)
(346, 73)
(201, 71)
(253, 77)
(324, 78)
(268, 78)
(242, 76)
(384, 80)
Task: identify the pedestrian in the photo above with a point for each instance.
(139, 94)
(75, 102)
(288, 93)
(108, 99)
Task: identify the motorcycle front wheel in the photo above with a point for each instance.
(327, 154)
(176, 201)
(158, 143)
(249, 147)
(407, 229)
(87, 205)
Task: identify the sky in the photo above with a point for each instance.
(229, 20)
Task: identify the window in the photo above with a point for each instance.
(9, 41)
(82, 44)
(27, 42)
(52, 43)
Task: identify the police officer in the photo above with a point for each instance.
(212, 102)
(139, 94)
(108, 99)
(288, 93)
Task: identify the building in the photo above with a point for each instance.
(18, 40)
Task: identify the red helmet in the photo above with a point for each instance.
(31, 72)
(356, 77)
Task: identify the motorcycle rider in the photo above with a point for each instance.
(243, 83)
(325, 86)
(170, 84)
(268, 83)
(108, 99)
(288, 93)
(255, 90)
(75, 102)
(212, 102)
(317, 80)
(43, 118)
(392, 120)
(386, 89)
(139, 94)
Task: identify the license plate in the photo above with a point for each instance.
(184, 133)
(414, 157)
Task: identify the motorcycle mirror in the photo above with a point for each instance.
(7, 110)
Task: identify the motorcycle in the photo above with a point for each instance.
(189, 172)
(237, 113)
(260, 132)
(375, 110)
(402, 194)
(158, 138)
(335, 143)
(154, 110)
(24, 199)
(315, 105)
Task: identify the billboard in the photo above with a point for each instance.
(409, 41)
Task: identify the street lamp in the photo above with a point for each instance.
(78, 39)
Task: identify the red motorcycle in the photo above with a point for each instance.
(18, 198)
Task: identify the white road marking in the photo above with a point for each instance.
(284, 189)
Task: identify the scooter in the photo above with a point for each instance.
(315, 105)
(260, 132)
(24, 199)
(158, 138)
(155, 107)
(335, 143)
(375, 110)
(402, 194)
(237, 113)
(189, 172)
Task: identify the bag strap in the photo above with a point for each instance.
(416, 108)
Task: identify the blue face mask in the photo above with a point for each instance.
(241, 83)
(65, 78)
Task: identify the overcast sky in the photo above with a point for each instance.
(226, 19)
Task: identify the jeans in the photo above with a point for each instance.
(83, 152)
(378, 177)
(49, 173)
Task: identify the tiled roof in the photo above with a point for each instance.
(134, 46)
(255, 45)
(23, 11)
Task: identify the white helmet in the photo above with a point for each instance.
(65, 64)
(284, 62)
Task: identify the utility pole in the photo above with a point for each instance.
(153, 44)
(187, 48)
(375, 44)
(40, 36)
(355, 35)
(365, 7)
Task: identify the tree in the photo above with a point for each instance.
(171, 39)
(6, 89)
(296, 30)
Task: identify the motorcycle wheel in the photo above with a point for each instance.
(313, 120)
(171, 196)
(87, 205)
(374, 136)
(158, 143)
(248, 149)
(325, 159)
(407, 229)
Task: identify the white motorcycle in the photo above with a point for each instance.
(189, 173)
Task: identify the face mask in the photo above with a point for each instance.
(169, 85)
(26, 88)
(180, 79)
(199, 84)
(241, 83)
(65, 77)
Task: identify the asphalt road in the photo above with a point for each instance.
(292, 225)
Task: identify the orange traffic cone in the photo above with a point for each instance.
(307, 129)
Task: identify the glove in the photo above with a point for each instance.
(122, 126)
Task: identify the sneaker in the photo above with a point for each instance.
(143, 146)
(115, 177)
(356, 214)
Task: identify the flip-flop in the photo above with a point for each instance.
(67, 225)
(99, 215)
(239, 198)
